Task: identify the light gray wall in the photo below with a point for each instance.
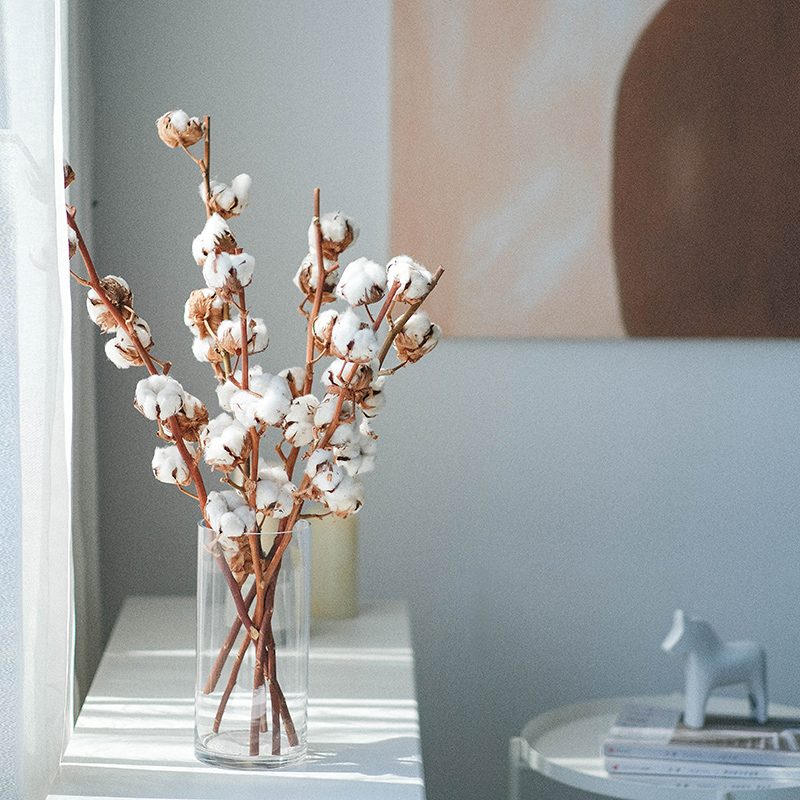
(543, 506)
(298, 98)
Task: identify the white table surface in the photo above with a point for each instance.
(135, 737)
(566, 745)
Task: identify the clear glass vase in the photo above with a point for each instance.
(251, 694)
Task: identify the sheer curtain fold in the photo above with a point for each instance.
(37, 387)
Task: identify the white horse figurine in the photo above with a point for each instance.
(710, 663)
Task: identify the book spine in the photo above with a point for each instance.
(705, 769)
(619, 749)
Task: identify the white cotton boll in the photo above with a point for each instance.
(274, 491)
(169, 467)
(214, 232)
(298, 425)
(203, 312)
(353, 339)
(121, 350)
(159, 397)
(373, 403)
(115, 354)
(228, 201)
(224, 196)
(142, 331)
(216, 506)
(246, 515)
(323, 470)
(348, 456)
(231, 525)
(322, 328)
(305, 278)
(266, 495)
(418, 337)
(368, 445)
(415, 281)
(276, 399)
(353, 376)
(418, 326)
(192, 405)
(346, 498)
(267, 402)
(363, 281)
(206, 349)
(295, 378)
(345, 433)
(179, 120)
(326, 410)
(338, 373)
(338, 233)
(229, 335)
(243, 408)
(216, 270)
(225, 391)
(346, 444)
(241, 186)
(318, 461)
(225, 442)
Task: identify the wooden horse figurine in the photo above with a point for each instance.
(710, 663)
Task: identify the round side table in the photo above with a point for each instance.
(566, 745)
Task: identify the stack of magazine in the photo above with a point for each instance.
(732, 751)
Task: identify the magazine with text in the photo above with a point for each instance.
(657, 733)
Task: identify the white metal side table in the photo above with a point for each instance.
(565, 745)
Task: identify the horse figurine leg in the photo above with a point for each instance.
(698, 689)
(758, 690)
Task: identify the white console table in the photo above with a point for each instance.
(134, 737)
(566, 745)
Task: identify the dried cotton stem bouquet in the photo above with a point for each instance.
(324, 444)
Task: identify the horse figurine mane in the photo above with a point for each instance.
(710, 663)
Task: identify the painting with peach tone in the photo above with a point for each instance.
(584, 168)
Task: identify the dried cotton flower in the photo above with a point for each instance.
(352, 339)
(298, 424)
(229, 201)
(169, 466)
(265, 402)
(178, 129)
(203, 312)
(362, 282)
(225, 442)
(159, 397)
(216, 235)
(338, 233)
(306, 278)
(229, 515)
(274, 491)
(322, 328)
(72, 238)
(121, 350)
(415, 281)
(228, 273)
(326, 411)
(229, 335)
(295, 377)
(119, 294)
(346, 375)
(418, 337)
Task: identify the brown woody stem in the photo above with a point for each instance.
(214, 676)
(398, 326)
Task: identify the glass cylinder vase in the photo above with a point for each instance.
(251, 693)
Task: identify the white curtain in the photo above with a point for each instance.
(36, 367)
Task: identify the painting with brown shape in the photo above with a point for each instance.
(707, 172)
(598, 169)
